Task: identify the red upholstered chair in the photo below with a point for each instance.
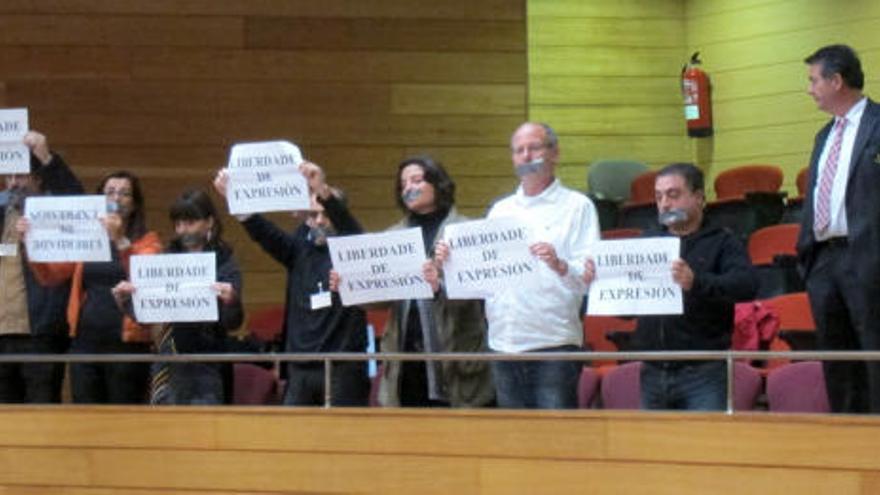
(620, 234)
(620, 387)
(773, 253)
(641, 209)
(797, 387)
(588, 386)
(254, 385)
(772, 241)
(599, 332)
(748, 198)
(737, 182)
(265, 324)
(797, 330)
(794, 206)
(378, 318)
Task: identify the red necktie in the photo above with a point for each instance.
(822, 209)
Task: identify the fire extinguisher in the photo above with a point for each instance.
(696, 90)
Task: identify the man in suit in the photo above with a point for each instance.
(839, 244)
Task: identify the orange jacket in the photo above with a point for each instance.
(58, 273)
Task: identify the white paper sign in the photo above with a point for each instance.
(380, 267)
(66, 228)
(634, 277)
(15, 158)
(265, 177)
(487, 256)
(174, 287)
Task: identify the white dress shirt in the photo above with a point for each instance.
(837, 226)
(524, 318)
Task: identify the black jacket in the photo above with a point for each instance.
(332, 329)
(723, 276)
(210, 337)
(47, 306)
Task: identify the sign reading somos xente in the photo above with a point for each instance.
(174, 287)
(634, 277)
(66, 228)
(380, 267)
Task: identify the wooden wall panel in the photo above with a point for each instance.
(310, 450)
(754, 52)
(166, 87)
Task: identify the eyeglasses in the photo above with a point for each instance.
(119, 193)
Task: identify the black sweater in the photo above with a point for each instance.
(723, 276)
(332, 329)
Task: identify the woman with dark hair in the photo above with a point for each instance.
(96, 323)
(197, 229)
(426, 195)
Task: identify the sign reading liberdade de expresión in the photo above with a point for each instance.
(66, 228)
(265, 177)
(174, 287)
(634, 277)
(15, 158)
(486, 256)
(380, 267)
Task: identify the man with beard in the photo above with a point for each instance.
(315, 320)
(32, 317)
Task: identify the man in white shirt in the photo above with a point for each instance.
(544, 316)
(840, 231)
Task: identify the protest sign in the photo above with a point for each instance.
(66, 228)
(174, 287)
(380, 267)
(634, 277)
(15, 158)
(265, 177)
(486, 256)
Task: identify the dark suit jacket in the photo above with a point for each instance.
(862, 202)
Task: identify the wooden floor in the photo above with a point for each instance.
(138, 450)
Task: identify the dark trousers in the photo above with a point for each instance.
(109, 383)
(349, 385)
(537, 384)
(847, 316)
(700, 386)
(31, 382)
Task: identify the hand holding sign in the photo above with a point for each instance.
(682, 274)
(39, 146)
(635, 277)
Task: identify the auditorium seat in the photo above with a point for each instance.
(797, 330)
(620, 387)
(797, 387)
(747, 199)
(254, 385)
(640, 211)
(588, 386)
(773, 254)
(794, 206)
(265, 324)
(607, 334)
(608, 186)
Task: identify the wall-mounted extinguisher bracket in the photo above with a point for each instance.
(696, 91)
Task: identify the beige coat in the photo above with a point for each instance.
(461, 327)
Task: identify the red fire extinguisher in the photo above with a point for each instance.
(696, 90)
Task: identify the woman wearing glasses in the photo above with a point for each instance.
(97, 326)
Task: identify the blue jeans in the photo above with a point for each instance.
(694, 386)
(537, 384)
